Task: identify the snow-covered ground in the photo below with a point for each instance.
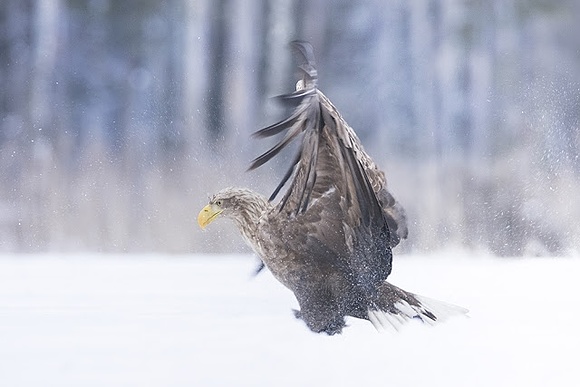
(203, 321)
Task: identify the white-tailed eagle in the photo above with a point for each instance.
(329, 238)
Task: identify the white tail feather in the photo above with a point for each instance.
(442, 310)
(428, 311)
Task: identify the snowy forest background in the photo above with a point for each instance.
(118, 118)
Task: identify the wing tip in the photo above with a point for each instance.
(304, 52)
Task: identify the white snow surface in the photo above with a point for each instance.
(203, 320)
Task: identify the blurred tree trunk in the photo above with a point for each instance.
(426, 29)
(217, 72)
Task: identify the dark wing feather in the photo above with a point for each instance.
(306, 119)
(393, 211)
(280, 126)
(287, 176)
(291, 135)
(305, 56)
(313, 112)
(332, 165)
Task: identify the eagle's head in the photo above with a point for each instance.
(240, 204)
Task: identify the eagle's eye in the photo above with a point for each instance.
(219, 203)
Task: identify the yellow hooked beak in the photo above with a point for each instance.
(207, 215)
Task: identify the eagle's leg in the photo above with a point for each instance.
(320, 314)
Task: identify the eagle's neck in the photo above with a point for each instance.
(248, 212)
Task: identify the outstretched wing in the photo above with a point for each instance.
(332, 170)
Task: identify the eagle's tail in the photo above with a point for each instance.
(396, 306)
